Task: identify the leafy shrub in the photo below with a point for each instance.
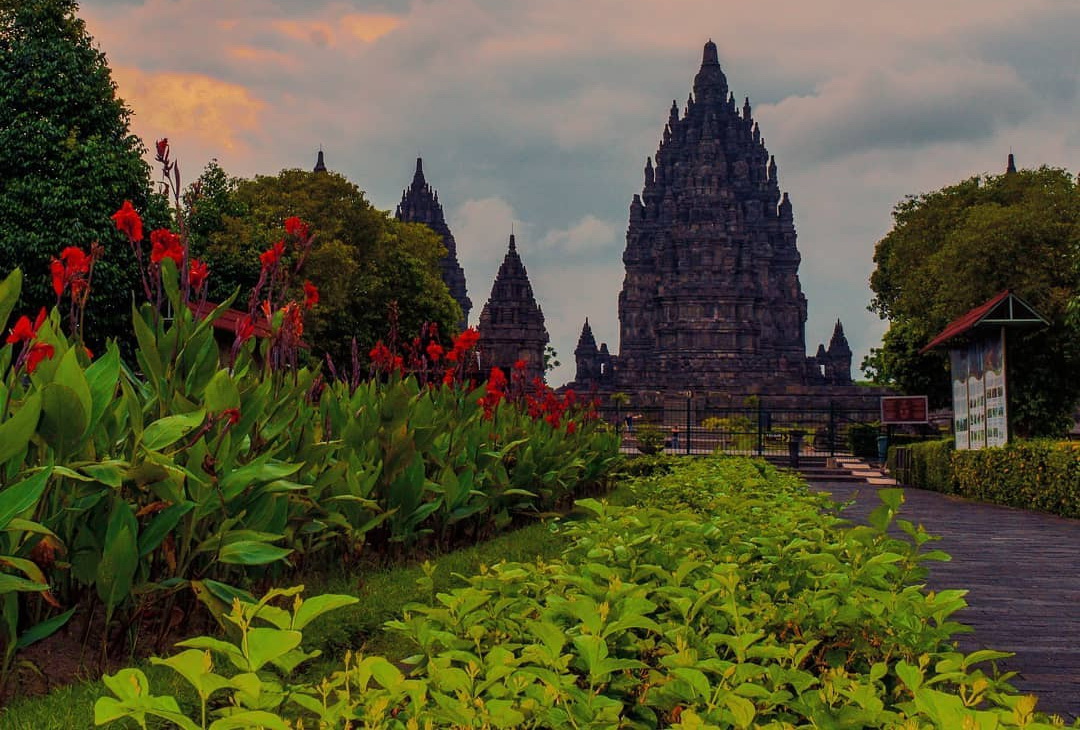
(928, 465)
(643, 466)
(650, 439)
(1042, 475)
(754, 605)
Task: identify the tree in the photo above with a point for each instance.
(67, 159)
(953, 249)
(362, 259)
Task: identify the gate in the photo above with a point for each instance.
(755, 428)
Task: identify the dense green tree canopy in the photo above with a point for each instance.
(953, 249)
(67, 158)
(362, 259)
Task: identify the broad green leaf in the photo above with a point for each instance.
(70, 373)
(162, 525)
(10, 288)
(197, 668)
(102, 377)
(63, 416)
(43, 630)
(168, 430)
(19, 498)
(250, 719)
(264, 645)
(221, 393)
(119, 558)
(16, 432)
(250, 552)
(316, 606)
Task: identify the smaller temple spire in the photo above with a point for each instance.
(320, 164)
(418, 176)
(1010, 168)
(674, 117)
(784, 210)
(772, 168)
(746, 109)
(513, 245)
(649, 173)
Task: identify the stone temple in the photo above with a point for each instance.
(512, 323)
(711, 299)
(420, 204)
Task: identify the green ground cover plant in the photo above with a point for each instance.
(730, 597)
(382, 594)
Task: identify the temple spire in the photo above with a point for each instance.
(1010, 168)
(320, 164)
(709, 56)
(420, 204)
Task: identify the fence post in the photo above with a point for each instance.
(760, 428)
(689, 397)
(832, 429)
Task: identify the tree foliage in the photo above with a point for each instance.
(67, 157)
(951, 250)
(362, 260)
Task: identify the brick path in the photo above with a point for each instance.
(1023, 573)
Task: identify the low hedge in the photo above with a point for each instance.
(1042, 475)
(928, 465)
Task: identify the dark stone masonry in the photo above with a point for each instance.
(512, 323)
(711, 299)
(420, 204)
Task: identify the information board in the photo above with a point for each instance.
(980, 417)
(897, 409)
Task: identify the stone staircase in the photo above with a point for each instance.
(823, 469)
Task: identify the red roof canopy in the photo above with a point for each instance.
(229, 319)
(1003, 309)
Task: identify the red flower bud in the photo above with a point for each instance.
(311, 295)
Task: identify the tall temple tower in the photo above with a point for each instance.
(420, 204)
(512, 323)
(711, 297)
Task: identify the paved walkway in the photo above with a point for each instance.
(1022, 570)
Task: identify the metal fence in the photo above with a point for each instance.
(759, 429)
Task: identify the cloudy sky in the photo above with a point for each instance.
(540, 114)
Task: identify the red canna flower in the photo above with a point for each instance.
(245, 329)
(56, 269)
(311, 295)
(381, 357)
(75, 261)
(166, 245)
(38, 351)
(448, 377)
(231, 415)
(128, 222)
(22, 331)
(163, 149)
(296, 227)
(267, 310)
(571, 427)
(519, 365)
(434, 351)
(270, 256)
(197, 274)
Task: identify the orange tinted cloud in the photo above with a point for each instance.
(352, 27)
(200, 109)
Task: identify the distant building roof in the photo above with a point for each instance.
(1004, 309)
(228, 320)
